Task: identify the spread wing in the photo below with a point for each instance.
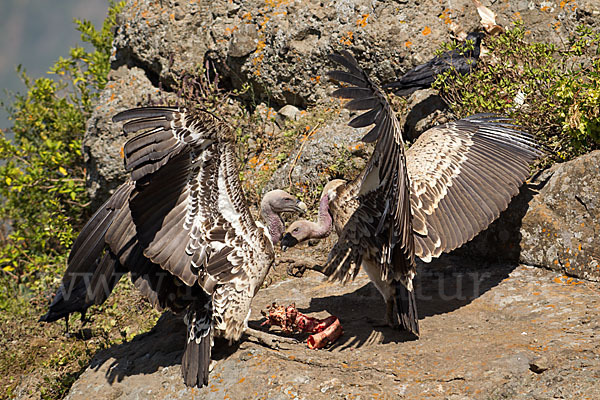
(188, 213)
(385, 176)
(463, 174)
(163, 133)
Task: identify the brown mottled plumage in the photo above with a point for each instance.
(450, 185)
(182, 227)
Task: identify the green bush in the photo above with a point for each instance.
(553, 93)
(42, 178)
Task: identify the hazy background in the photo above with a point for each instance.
(35, 33)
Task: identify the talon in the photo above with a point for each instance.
(296, 270)
(379, 323)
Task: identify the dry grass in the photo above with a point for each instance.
(39, 361)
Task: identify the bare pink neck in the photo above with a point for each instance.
(323, 226)
(274, 223)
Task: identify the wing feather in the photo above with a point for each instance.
(91, 240)
(163, 132)
(344, 76)
(366, 119)
(188, 213)
(463, 175)
(385, 176)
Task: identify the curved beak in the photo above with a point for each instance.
(301, 207)
(288, 241)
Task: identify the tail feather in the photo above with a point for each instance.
(92, 271)
(196, 356)
(406, 309)
(105, 278)
(195, 362)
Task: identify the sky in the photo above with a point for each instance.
(35, 33)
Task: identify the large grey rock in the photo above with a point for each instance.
(334, 150)
(279, 50)
(104, 140)
(554, 222)
(280, 47)
(561, 229)
(488, 331)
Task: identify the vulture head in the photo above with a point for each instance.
(302, 230)
(279, 201)
(297, 232)
(272, 205)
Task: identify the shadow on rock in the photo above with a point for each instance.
(441, 287)
(149, 352)
(425, 109)
(501, 241)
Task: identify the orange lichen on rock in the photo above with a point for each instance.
(362, 22)
(566, 280)
(347, 38)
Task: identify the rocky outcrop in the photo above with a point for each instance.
(280, 47)
(332, 150)
(561, 229)
(553, 223)
(277, 51)
(488, 332)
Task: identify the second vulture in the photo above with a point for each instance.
(449, 186)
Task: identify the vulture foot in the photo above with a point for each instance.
(270, 340)
(389, 321)
(298, 269)
(404, 335)
(380, 323)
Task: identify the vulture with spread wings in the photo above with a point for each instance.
(182, 228)
(449, 186)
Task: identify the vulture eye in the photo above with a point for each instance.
(296, 230)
